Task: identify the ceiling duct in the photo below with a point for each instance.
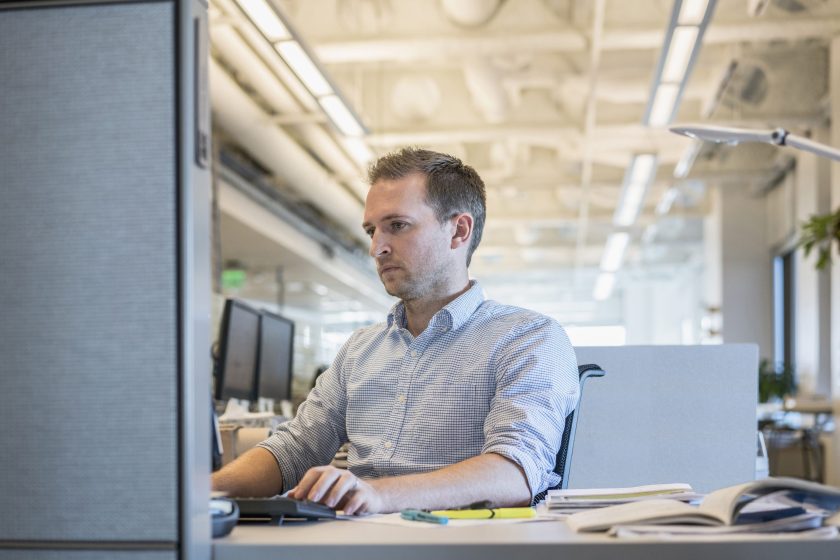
(275, 150)
(415, 98)
(756, 8)
(249, 68)
(470, 13)
(749, 84)
(484, 83)
(741, 83)
(798, 6)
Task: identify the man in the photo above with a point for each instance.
(455, 399)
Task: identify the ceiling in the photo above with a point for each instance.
(546, 99)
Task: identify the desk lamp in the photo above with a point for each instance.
(732, 136)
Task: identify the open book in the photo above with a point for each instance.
(721, 507)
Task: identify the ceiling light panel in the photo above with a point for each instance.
(683, 38)
(266, 19)
(343, 118)
(692, 12)
(664, 104)
(679, 54)
(603, 286)
(614, 251)
(302, 65)
(638, 178)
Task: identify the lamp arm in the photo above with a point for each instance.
(802, 143)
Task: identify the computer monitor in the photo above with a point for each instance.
(275, 356)
(236, 371)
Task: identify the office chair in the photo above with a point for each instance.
(562, 466)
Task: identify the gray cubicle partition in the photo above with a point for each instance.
(104, 275)
(668, 414)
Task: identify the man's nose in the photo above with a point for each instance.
(379, 245)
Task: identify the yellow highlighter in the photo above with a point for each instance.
(494, 513)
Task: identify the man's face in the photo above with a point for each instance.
(413, 251)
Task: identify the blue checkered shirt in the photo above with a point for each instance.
(482, 378)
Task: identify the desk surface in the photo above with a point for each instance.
(350, 540)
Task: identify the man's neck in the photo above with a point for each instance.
(419, 312)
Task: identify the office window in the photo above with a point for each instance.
(783, 302)
(601, 335)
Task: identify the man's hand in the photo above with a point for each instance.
(339, 489)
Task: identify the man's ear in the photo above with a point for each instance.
(463, 230)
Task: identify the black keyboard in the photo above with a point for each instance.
(279, 508)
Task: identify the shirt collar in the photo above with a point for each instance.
(452, 316)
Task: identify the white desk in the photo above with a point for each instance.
(347, 540)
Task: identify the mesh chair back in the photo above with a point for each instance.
(564, 454)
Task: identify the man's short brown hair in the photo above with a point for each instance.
(452, 187)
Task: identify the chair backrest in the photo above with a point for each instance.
(564, 454)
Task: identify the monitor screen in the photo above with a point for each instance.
(275, 363)
(238, 347)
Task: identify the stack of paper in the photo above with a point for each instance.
(570, 501)
(770, 505)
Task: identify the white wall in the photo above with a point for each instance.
(746, 268)
(811, 287)
(666, 310)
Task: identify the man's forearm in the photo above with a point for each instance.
(485, 477)
(253, 474)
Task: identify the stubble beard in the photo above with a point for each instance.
(414, 286)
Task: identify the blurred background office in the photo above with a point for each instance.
(597, 214)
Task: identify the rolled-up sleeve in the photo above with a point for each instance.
(317, 431)
(536, 388)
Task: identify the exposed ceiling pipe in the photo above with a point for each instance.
(251, 69)
(470, 13)
(589, 126)
(559, 41)
(485, 85)
(241, 117)
(482, 78)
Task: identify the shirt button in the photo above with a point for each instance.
(401, 399)
(414, 353)
(388, 445)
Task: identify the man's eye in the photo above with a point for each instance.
(369, 232)
(398, 225)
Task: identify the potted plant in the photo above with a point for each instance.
(818, 233)
(775, 381)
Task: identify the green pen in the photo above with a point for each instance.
(419, 515)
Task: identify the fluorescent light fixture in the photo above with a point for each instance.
(687, 159)
(266, 19)
(614, 251)
(294, 53)
(643, 167)
(679, 53)
(667, 200)
(664, 104)
(304, 68)
(683, 38)
(358, 150)
(732, 135)
(637, 179)
(338, 112)
(604, 286)
(692, 12)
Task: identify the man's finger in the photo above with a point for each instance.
(309, 479)
(354, 504)
(325, 481)
(345, 484)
